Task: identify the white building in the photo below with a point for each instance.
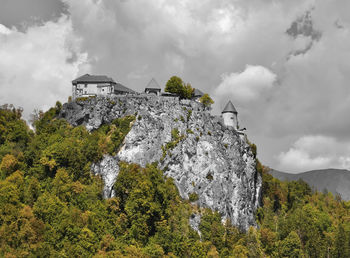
(229, 114)
(93, 85)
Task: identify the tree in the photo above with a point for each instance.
(8, 165)
(206, 100)
(253, 243)
(341, 247)
(174, 85)
(290, 246)
(187, 91)
(212, 229)
(177, 86)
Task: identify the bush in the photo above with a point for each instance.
(189, 113)
(206, 100)
(193, 197)
(209, 177)
(189, 131)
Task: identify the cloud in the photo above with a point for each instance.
(247, 85)
(284, 85)
(315, 152)
(4, 30)
(196, 40)
(36, 66)
(23, 14)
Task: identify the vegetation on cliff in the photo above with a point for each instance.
(51, 205)
(177, 86)
(206, 100)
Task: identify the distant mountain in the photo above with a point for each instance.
(336, 181)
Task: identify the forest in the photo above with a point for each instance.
(52, 205)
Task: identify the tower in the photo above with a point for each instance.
(229, 114)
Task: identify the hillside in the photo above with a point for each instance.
(336, 181)
(66, 191)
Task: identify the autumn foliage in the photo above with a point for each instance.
(51, 205)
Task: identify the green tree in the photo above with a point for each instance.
(253, 243)
(187, 91)
(177, 86)
(174, 85)
(8, 165)
(206, 100)
(212, 229)
(290, 246)
(341, 244)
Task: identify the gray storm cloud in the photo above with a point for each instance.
(283, 63)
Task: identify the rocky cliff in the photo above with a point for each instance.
(211, 165)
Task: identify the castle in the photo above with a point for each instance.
(100, 85)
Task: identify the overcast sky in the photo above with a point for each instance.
(284, 64)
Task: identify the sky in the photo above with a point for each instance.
(284, 64)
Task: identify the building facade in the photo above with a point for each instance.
(94, 85)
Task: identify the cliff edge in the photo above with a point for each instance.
(211, 165)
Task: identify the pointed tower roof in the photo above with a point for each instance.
(197, 93)
(153, 84)
(229, 108)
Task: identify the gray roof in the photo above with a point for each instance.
(197, 93)
(87, 78)
(122, 88)
(229, 108)
(153, 84)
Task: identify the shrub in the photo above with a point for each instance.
(206, 100)
(193, 197)
(189, 113)
(189, 131)
(82, 99)
(209, 177)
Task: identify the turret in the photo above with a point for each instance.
(229, 114)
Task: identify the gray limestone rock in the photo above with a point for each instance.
(210, 160)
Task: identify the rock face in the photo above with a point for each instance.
(208, 161)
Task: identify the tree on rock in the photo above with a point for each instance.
(206, 100)
(174, 85)
(177, 86)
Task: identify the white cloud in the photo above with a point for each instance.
(315, 152)
(281, 97)
(37, 66)
(247, 85)
(4, 29)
